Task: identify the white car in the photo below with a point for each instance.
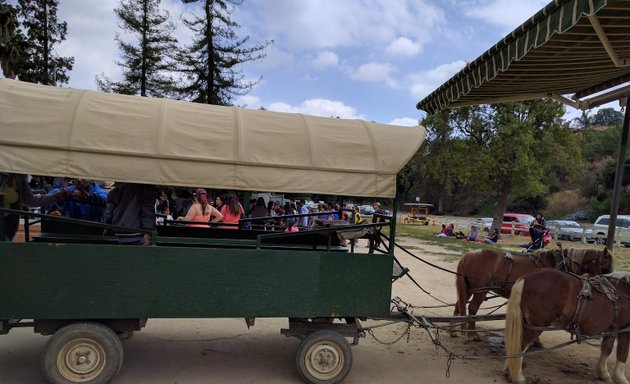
(600, 229)
(569, 230)
(483, 223)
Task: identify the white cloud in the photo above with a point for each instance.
(325, 59)
(505, 13)
(275, 58)
(425, 82)
(318, 107)
(403, 47)
(406, 121)
(249, 101)
(375, 73)
(317, 24)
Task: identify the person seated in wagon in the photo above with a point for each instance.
(201, 211)
(16, 194)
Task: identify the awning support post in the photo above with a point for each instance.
(621, 162)
(606, 43)
(392, 227)
(569, 102)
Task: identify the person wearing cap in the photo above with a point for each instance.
(201, 211)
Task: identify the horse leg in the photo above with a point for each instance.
(462, 298)
(619, 375)
(473, 307)
(601, 371)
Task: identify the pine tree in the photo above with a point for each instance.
(43, 33)
(210, 65)
(147, 63)
(12, 42)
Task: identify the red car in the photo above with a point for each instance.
(520, 221)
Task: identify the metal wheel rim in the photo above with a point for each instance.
(324, 360)
(81, 360)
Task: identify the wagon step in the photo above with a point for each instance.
(6, 325)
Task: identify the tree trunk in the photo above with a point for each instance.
(441, 204)
(504, 194)
(47, 76)
(210, 96)
(145, 43)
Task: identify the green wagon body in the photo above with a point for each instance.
(79, 281)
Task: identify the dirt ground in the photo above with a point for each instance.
(224, 351)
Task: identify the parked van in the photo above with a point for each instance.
(600, 229)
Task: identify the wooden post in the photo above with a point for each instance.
(621, 161)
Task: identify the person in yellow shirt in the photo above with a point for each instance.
(16, 194)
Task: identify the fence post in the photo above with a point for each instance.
(584, 235)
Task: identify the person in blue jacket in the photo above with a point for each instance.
(86, 201)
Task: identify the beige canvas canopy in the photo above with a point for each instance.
(79, 133)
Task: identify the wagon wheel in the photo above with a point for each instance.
(324, 357)
(83, 353)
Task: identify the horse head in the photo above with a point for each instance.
(590, 261)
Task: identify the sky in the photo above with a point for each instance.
(365, 59)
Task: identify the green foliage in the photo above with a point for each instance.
(512, 153)
(210, 65)
(146, 62)
(12, 42)
(600, 144)
(607, 117)
(43, 33)
(606, 176)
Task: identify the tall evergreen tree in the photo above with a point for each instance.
(148, 61)
(43, 33)
(12, 42)
(211, 63)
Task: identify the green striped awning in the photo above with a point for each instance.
(577, 47)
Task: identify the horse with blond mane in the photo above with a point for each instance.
(551, 300)
(493, 270)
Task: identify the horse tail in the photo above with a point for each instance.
(461, 286)
(514, 332)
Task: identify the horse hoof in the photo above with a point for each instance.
(476, 337)
(454, 334)
(603, 375)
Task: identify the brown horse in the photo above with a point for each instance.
(549, 299)
(492, 270)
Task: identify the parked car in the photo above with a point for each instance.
(520, 222)
(483, 223)
(366, 209)
(569, 230)
(600, 229)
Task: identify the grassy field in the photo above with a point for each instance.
(506, 242)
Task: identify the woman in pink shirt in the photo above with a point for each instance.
(232, 212)
(201, 211)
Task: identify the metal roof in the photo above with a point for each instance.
(577, 47)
